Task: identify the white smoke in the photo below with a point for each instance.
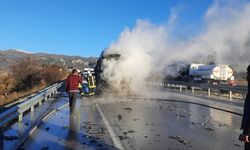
(141, 49)
(148, 48)
(226, 35)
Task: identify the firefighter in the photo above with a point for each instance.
(91, 83)
(80, 84)
(85, 86)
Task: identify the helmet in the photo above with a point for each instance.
(89, 73)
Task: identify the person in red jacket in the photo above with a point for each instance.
(72, 83)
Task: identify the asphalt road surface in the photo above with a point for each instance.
(160, 120)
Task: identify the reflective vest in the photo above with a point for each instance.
(91, 82)
(80, 85)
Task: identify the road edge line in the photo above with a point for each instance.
(110, 130)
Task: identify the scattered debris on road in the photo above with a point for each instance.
(209, 129)
(130, 131)
(10, 138)
(128, 109)
(45, 148)
(122, 137)
(47, 128)
(178, 115)
(198, 124)
(179, 139)
(119, 117)
(136, 119)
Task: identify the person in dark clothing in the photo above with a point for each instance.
(72, 83)
(245, 124)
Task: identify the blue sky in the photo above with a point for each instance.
(86, 27)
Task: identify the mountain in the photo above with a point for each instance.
(12, 56)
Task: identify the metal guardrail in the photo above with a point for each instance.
(202, 86)
(29, 104)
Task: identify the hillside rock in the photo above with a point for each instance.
(11, 56)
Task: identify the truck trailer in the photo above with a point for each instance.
(215, 73)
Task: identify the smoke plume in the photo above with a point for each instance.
(147, 49)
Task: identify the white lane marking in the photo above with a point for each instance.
(110, 130)
(44, 118)
(32, 130)
(49, 114)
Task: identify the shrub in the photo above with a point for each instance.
(54, 73)
(27, 74)
(7, 83)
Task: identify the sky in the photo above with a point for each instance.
(216, 32)
(86, 27)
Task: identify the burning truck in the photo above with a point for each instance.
(108, 77)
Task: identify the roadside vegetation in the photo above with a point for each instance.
(26, 77)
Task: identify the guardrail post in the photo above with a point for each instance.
(40, 103)
(45, 96)
(32, 108)
(21, 128)
(192, 89)
(230, 94)
(243, 96)
(20, 117)
(208, 91)
(180, 88)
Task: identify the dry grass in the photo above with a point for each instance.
(13, 96)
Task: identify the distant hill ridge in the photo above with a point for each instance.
(13, 56)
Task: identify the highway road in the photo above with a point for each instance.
(159, 120)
